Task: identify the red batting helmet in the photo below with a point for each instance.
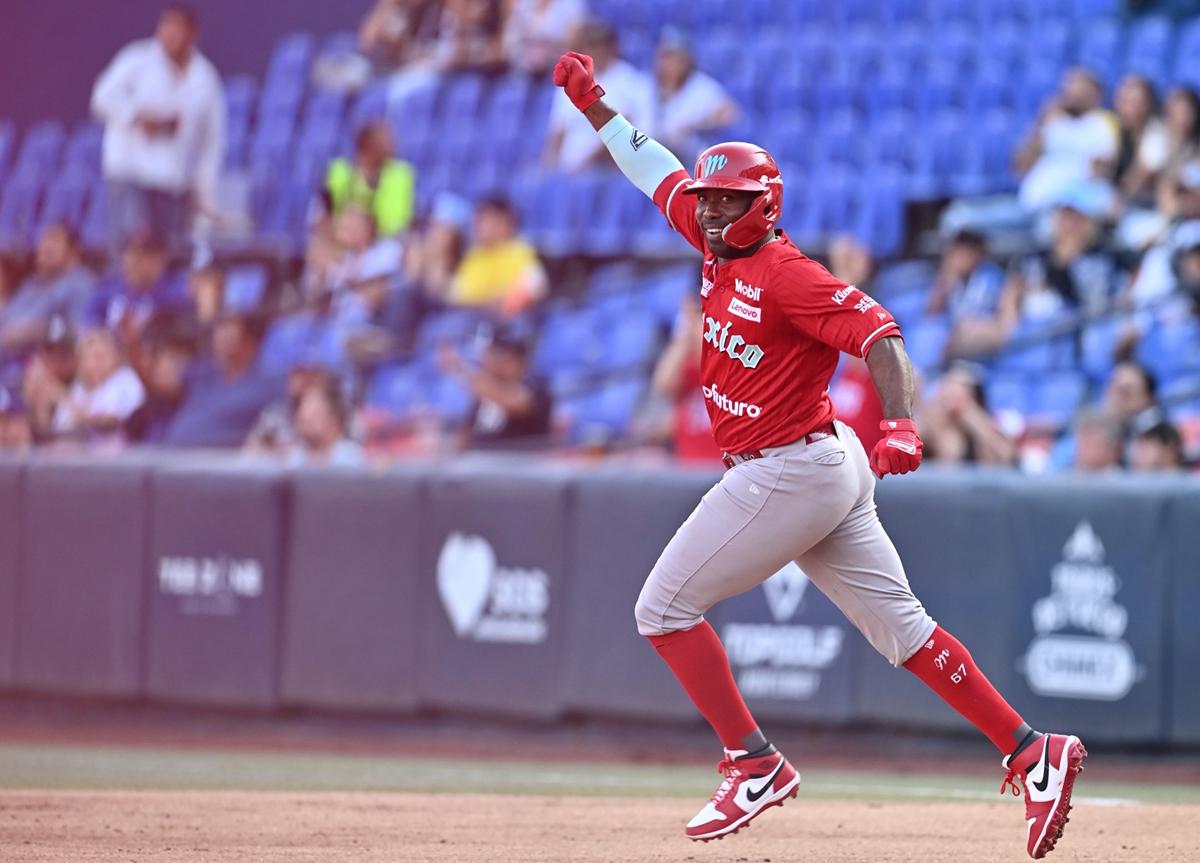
(749, 168)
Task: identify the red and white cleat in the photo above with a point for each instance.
(750, 786)
(1048, 776)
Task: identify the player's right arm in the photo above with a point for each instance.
(646, 163)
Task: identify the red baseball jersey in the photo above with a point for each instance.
(774, 323)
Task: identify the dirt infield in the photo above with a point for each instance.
(231, 827)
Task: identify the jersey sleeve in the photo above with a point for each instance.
(680, 209)
(825, 308)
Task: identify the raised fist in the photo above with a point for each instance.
(575, 73)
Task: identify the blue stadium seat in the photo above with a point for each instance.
(1008, 392)
(1149, 51)
(1100, 47)
(93, 231)
(66, 199)
(614, 220)
(40, 151)
(880, 217)
(1087, 10)
(458, 327)
(1187, 55)
(396, 389)
(370, 105)
(631, 342)
(19, 200)
(1171, 348)
(240, 94)
(607, 413)
(999, 135)
(1050, 41)
(926, 342)
(1056, 397)
(1098, 344)
(449, 399)
(460, 97)
(664, 292)
(245, 287)
(567, 341)
(82, 152)
(291, 57)
(281, 98)
(907, 307)
(1033, 351)
(616, 279)
(8, 136)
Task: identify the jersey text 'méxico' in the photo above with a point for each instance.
(774, 323)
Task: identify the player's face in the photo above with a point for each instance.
(717, 208)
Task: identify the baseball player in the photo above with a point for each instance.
(799, 485)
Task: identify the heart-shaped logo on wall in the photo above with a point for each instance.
(464, 578)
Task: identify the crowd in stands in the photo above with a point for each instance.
(1058, 328)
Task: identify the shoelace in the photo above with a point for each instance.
(731, 771)
(1013, 780)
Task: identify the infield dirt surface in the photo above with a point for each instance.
(61, 826)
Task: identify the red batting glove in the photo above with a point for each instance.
(574, 72)
(899, 450)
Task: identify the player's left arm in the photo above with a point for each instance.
(899, 450)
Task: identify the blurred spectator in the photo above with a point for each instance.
(852, 390)
(320, 424)
(206, 293)
(536, 32)
(1131, 397)
(227, 391)
(512, 408)
(500, 270)
(363, 276)
(434, 255)
(164, 113)
(125, 302)
(16, 435)
(677, 379)
(465, 36)
(1179, 187)
(274, 433)
(105, 392)
(1157, 448)
(1074, 141)
(375, 181)
(48, 376)
(1098, 442)
(956, 425)
(391, 33)
(1076, 274)
(572, 144)
(58, 285)
(166, 357)
(1143, 137)
(967, 289)
(689, 106)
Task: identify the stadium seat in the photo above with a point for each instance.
(40, 151)
(1149, 50)
(630, 343)
(240, 93)
(1034, 350)
(926, 342)
(607, 413)
(448, 399)
(245, 287)
(567, 341)
(93, 231)
(66, 199)
(8, 136)
(1187, 55)
(82, 152)
(460, 98)
(1171, 348)
(1098, 344)
(1050, 41)
(1056, 397)
(1100, 47)
(369, 105)
(1008, 392)
(395, 389)
(19, 200)
(291, 57)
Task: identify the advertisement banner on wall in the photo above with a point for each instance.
(494, 582)
(10, 562)
(351, 617)
(217, 564)
(83, 566)
(792, 652)
(1092, 623)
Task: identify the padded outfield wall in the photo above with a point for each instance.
(507, 588)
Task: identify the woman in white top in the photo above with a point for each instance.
(688, 104)
(105, 392)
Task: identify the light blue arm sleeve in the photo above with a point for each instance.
(642, 159)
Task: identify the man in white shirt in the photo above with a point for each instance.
(689, 106)
(163, 108)
(572, 144)
(1075, 142)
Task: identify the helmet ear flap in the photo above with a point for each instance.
(750, 227)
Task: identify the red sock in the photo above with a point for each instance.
(699, 662)
(946, 667)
